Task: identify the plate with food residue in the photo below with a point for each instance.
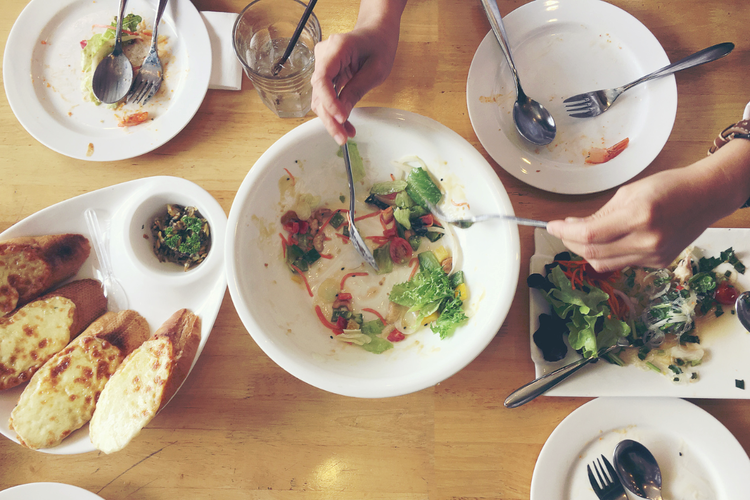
(561, 51)
(154, 289)
(714, 367)
(50, 56)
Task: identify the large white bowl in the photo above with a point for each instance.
(278, 312)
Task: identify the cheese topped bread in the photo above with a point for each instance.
(32, 265)
(35, 332)
(62, 395)
(145, 382)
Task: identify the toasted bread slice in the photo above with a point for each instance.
(34, 333)
(145, 382)
(32, 265)
(62, 395)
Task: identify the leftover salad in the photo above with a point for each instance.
(416, 285)
(651, 313)
(136, 40)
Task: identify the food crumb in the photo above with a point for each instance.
(145, 236)
(90, 149)
(739, 384)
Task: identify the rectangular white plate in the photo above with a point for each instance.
(726, 341)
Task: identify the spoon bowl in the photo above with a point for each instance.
(638, 470)
(742, 306)
(113, 76)
(533, 122)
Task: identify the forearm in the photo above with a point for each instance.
(381, 14)
(724, 176)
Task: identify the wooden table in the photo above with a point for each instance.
(241, 427)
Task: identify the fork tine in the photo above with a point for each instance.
(135, 89)
(600, 473)
(578, 97)
(610, 469)
(152, 92)
(593, 481)
(144, 91)
(583, 107)
(586, 114)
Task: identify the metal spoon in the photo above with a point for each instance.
(354, 236)
(114, 75)
(532, 120)
(117, 300)
(742, 305)
(638, 470)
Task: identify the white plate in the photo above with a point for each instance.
(562, 48)
(42, 75)
(698, 457)
(725, 339)
(45, 491)
(156, 290)
(278, 313)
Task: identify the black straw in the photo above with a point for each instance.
(297, 32)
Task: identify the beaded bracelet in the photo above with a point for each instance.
(739, 130)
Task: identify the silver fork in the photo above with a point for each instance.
(608, 486)
(354, 236)
(594, 103)
(150, 76)
(469, 221)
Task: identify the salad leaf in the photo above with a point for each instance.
(402, 216)
(421, 189)
(377, 345)
(427, 286)
(452, 316)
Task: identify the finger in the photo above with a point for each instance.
(602, 227)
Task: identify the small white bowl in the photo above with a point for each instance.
(139, 241)
(278, 312)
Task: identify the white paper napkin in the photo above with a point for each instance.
(226, 71)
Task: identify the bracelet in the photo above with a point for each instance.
(739, 130)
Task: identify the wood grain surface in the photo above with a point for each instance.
(243, 428)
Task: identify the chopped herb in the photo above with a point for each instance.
(739, 384)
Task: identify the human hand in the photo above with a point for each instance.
(352, 64)
(650, 221)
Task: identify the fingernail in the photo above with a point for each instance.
(340, 139)
(573, 219)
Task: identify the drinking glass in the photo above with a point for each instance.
(260, 36)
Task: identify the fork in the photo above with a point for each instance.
(354, 236)
(594, 103)
(469, 221)
(150, 75)
(608, 487)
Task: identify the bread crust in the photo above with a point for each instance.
(89, 303)
(145, 382)
(57, 258)
(183, 329)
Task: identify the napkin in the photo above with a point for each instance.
(226, 71)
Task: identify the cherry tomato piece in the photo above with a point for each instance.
(400, 250)
(396, 336)
(725, 294)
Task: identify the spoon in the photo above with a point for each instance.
(354, 236)
(117, 300)
(293, 41)
(533, 121)
(114, 75)
(742, 305)
(638, 470)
